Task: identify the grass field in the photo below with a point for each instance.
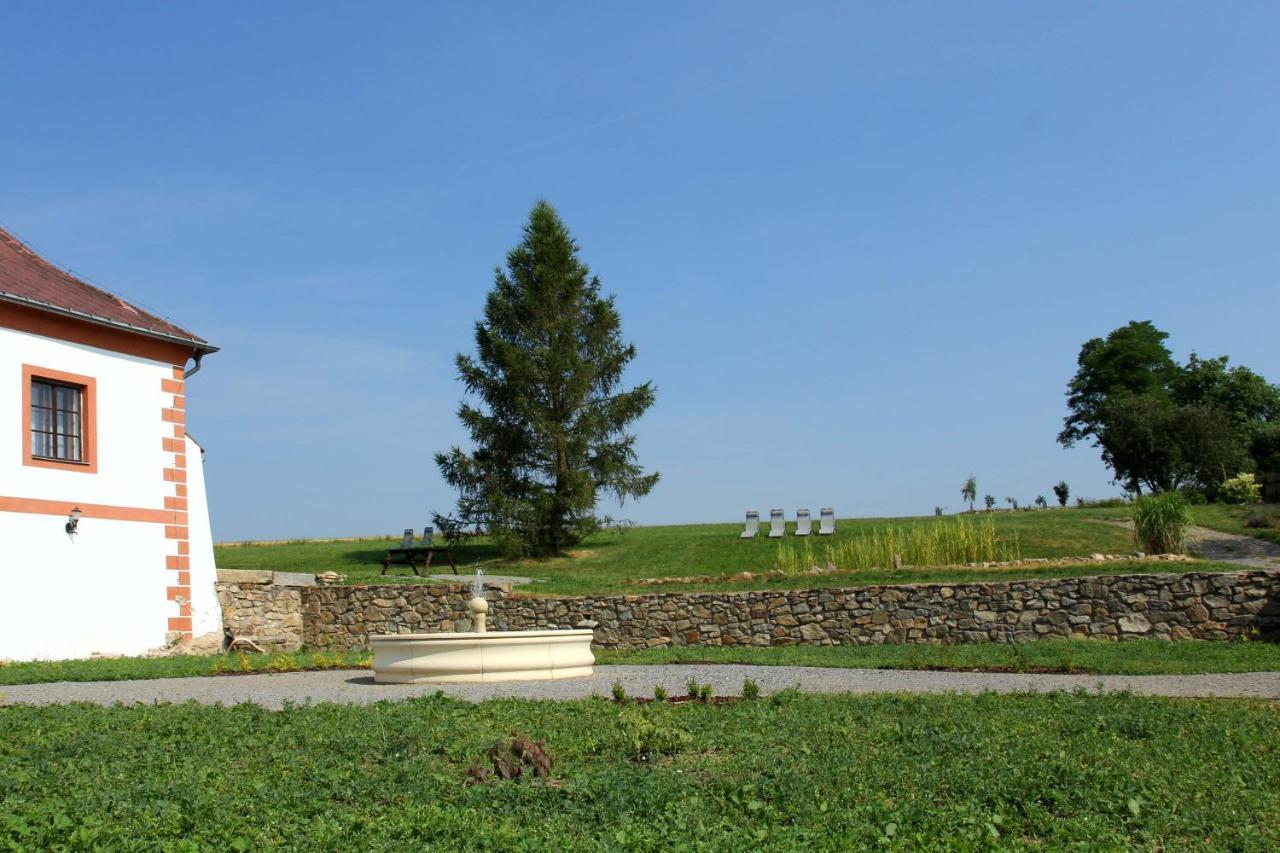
(790, 772)
(1135, 657)
(607, 561)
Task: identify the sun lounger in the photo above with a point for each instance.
(752, 526)
(804, 523)
(826, 521)
(777, 524)
(407, 541)
(427, 534)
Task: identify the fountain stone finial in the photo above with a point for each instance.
(477, 605)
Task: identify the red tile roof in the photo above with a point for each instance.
(31, 279)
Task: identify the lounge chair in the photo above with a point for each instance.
(826, 521)
(804, 523)
(777, 524)
(407, 541)
(752, 526)
(427, 534)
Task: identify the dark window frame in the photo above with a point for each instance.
(70, 439)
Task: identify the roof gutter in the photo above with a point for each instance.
(200, 348)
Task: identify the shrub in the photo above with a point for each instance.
(750, 690)
(619, 692)
(1160, 523)
(1062, 491)
(1041, 502)
(1241, 489)
(659, 693)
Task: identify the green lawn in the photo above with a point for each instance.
(787, 773)
(605, 562)
(1135, 657)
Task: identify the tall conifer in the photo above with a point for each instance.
(549, 430)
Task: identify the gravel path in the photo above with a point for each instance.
(1233, 548)
(357, 687)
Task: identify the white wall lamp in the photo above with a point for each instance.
(73, 522)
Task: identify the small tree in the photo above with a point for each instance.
(1013, 502)
(990, 501)
(1041, 503)
(550, 433)
(969, 491)
(1062, 491)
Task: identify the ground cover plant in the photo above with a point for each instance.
(1133, 657)
(785, 772)
(606, 561)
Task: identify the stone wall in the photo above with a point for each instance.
(265, 607)
(1215, 606)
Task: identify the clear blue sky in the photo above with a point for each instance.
(857, 245)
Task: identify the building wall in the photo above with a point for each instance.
(124, 584)
(206, 615)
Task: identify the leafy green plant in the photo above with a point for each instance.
(659, 693)
(619, 692)
(646, 735)
(1240, 489)
(691, 688)
(1160, 523)
(750, 690)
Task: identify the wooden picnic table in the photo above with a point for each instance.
(410, 556)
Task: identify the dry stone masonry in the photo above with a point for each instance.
(1199, 605)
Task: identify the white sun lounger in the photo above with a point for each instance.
(777, 524)
(804, 523)
(826, 521)
(752, 526)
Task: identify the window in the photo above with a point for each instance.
(59, 427)
(56, 421)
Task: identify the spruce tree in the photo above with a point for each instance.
(549, 430)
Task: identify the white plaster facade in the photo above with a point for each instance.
(108, 589)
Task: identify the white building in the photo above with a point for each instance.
(92, 424)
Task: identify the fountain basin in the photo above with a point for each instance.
(482, 656)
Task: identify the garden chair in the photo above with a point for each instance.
(427, 534)
(826, 521)
(752, 526)
(804, 522)
(407, 541)
(777, 524)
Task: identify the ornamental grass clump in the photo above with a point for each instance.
(943, 542)
(1160, 523)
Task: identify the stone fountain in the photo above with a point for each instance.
(481, 655)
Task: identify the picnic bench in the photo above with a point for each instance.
(410, 552)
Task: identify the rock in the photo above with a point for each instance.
(1135, 623)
